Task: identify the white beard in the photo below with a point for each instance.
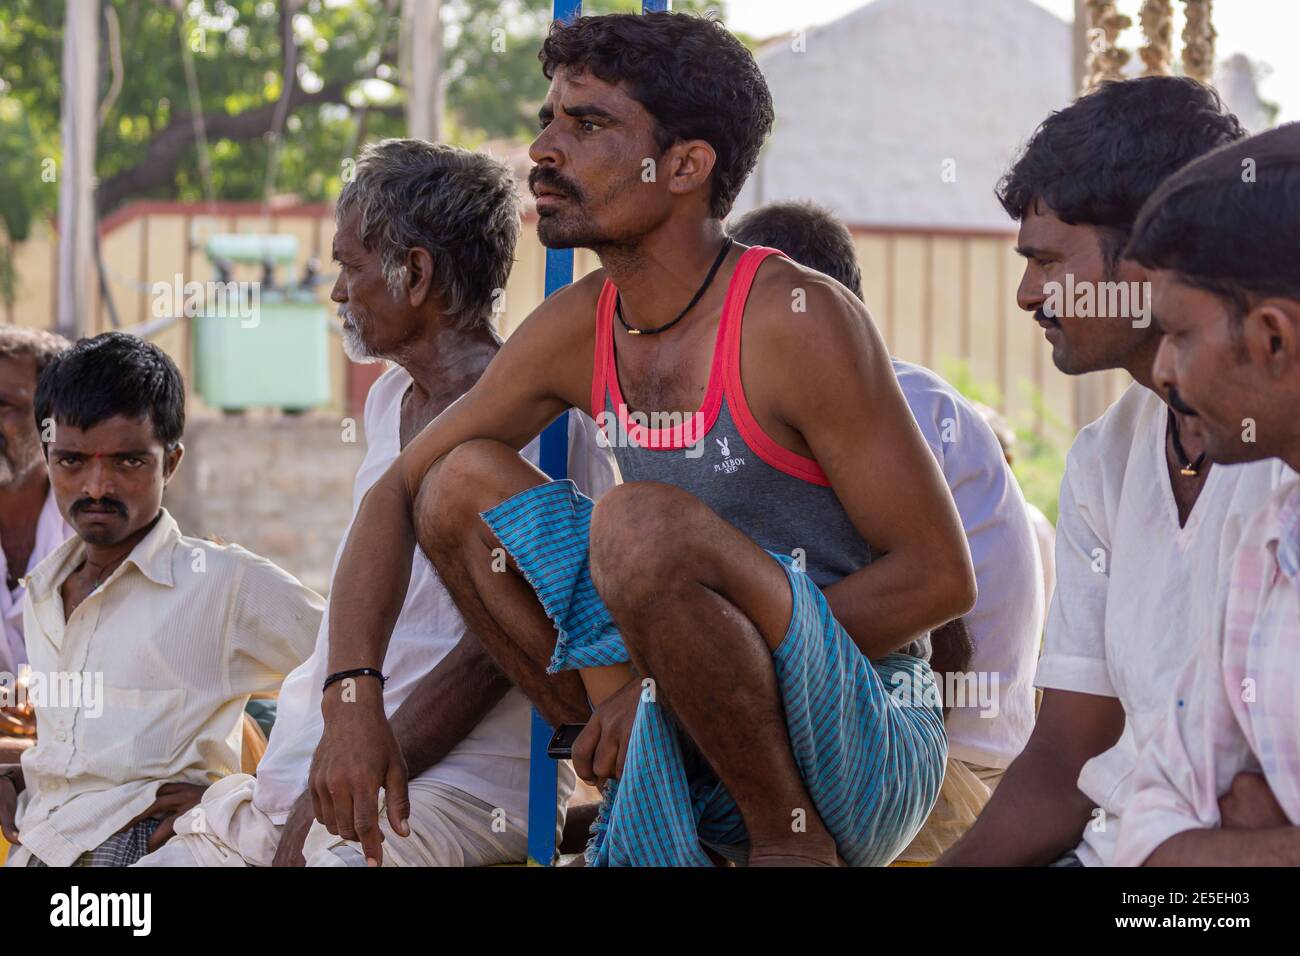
(354, 345)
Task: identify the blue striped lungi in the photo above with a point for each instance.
(867, 736)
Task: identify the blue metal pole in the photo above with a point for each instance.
(543, 778)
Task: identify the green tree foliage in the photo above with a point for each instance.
(344, 59)
(1042, 438)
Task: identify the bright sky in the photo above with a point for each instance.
(1264, 30)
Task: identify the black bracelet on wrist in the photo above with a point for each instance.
(355, 672)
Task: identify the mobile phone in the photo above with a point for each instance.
(561, 745)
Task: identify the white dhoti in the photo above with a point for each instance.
(226, 829)
(448, 828)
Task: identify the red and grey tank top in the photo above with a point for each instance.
(782, 501)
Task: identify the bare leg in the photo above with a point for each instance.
(701, 608)
(499, 606)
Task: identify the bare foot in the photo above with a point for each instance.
(801, 850)
(786, 859)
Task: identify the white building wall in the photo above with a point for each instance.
(876, 102)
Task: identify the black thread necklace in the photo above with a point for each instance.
(708, 280)
(1189, 468)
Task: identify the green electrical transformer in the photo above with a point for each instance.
(259, 343)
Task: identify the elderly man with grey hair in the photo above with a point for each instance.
(30, 524)
(425, 240)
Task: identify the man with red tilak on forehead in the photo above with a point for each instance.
(149, 642)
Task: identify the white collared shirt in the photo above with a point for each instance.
(51, 531)
(1236, 706)
(1132, 587)
(168, 650)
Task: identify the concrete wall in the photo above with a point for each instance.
(280, 486)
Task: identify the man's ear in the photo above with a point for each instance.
(171, 460)
(1272, 336)
(1129, 271)
(419, 276)
(690, 162)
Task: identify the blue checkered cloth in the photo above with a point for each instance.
(867, 736)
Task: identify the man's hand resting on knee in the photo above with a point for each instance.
(170, 802)
(601, 748)
(294, 834)
(358, 755)
(9, 805)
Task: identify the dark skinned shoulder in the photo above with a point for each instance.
(803, 326)
(560, 335)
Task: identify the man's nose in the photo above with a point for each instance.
(544, 148)
(98, 480)
(340, 292)
(1029, 294)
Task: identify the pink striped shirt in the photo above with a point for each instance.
(1236, 706)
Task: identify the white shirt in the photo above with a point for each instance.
(1132, 586)
(1236, 706)
(1007, 619)
(1045, 535)
(51, 531)
(492, 762)
(169, 647)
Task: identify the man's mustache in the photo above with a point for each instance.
(545, 177)
(81, 504)
(1177, 404)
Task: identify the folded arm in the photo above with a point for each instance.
(1277, 846)
(838, 391)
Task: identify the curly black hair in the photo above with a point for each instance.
(1229, 223)
(1096, 161)
(696, 80)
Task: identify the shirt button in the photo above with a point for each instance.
(61, 736)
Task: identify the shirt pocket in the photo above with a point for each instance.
(133, 735)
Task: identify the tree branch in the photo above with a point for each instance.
(166, 149)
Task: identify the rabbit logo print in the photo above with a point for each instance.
(728, 465)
